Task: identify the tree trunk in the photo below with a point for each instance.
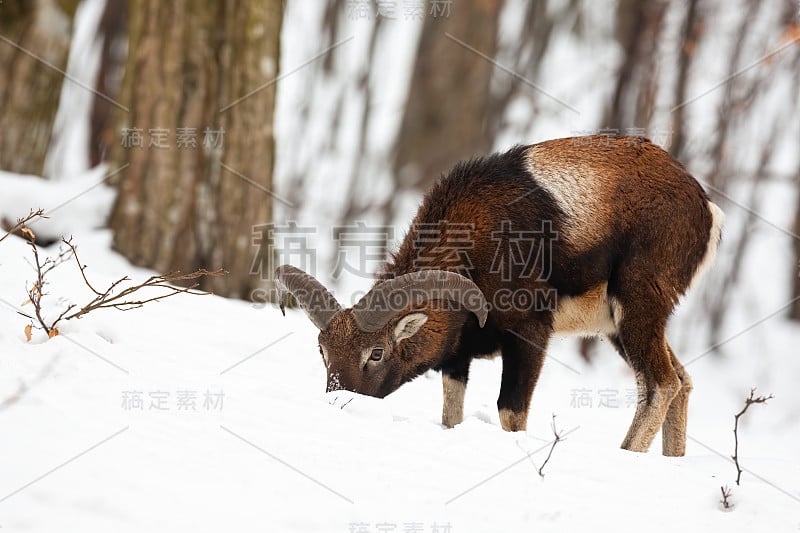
(639, 28)
(113, 32)
(447, 113)
(198, 138)
(34, 45)
(794, 310)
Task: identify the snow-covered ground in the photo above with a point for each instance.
(200, 413)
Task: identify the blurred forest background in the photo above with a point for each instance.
(215, 118)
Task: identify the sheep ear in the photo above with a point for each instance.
(409, 325)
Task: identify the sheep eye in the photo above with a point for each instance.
(376, 354)
(320, 350)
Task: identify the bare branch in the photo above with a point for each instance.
(726, 495)
(558, 439)
(69, 308)
(108, 298)
(83, 267)
(22, 221)
(36, 291)
(64, 253)
(345, 403)
(750, 400)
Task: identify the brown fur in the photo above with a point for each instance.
(513, 421)
(401, 361)
(632, 230)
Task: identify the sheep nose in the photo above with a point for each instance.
(333, 383)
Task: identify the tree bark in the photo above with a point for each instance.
(447, 114)
(34, 46)
(691, 31)
(195, 70)
(113, 33)
(639, 28)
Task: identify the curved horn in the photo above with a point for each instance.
(390, 297)
(313, 297)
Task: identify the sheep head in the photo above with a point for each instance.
(399, 329)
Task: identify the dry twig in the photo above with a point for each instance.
(750, 400)
(36, 291)
(21, 222)
(726, 495)
(345, 403)
(119, 301)
(103, 299)
(558, 439)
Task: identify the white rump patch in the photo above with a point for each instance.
(715, 235)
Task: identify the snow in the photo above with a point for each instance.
(265, 448)
(281, 454)
(82, 202)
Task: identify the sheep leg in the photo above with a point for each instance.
(658, 383)
(673, 430)
(454, 385)
(523, 354)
